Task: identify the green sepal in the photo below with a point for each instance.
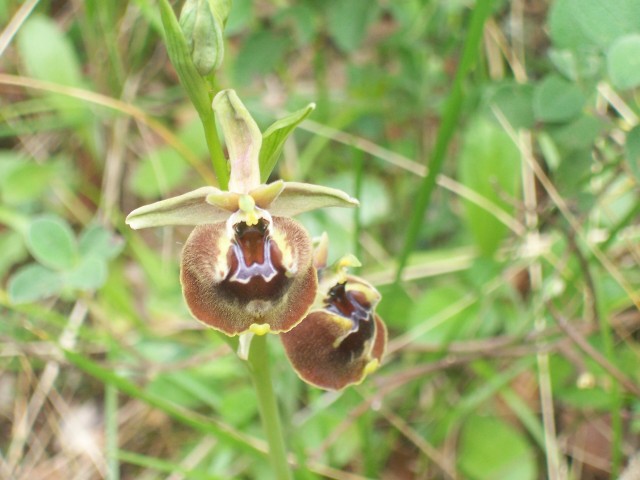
(298, 198)
(243, 139)
(207, 205)
(274, 137)
(188, 209)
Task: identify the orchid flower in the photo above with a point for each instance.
(341, 339)
(247, 266)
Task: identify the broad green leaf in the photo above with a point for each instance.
(579, 134)
(52, 243)
(240, 15)
(514, 102)
(489, 164)
(274, 137)
(604, 21)
(97, 241)
(490, 449)
(22, 181)
(577, 65)
(33, 282)
(632, 151)
(48, 55)
(90, 274)
(623, 62)
(260, 53)
(13, 250)
(303, 20)
(574, 171)
(562, 27)
(557, 100)
(348, 21)
(196, 87)
(46, 52)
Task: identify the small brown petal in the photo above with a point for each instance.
(267, 283)
(340, 344)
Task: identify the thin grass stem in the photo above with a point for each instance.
(448, 126)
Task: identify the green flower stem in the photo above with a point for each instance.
(261, 375)
(215, 150)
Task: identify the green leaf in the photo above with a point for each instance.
(180, 56)
(274, 137)
(33, 282)
(557, 100)
(490, 448)
(97, 241)
(22, 181)
(632, 151)
(13, 250)
(604, 21)
(623, 62)
(577, 65)
(514, 102)
(348, 21)
(52, 243)
(240, 16)
(47, 54)
(562, 27)
(489, 164)
(579, 134)
(90, 274)
(261, 52)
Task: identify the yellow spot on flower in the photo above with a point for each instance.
(248, 206)
(260, 328)
(371, 367)
(342, 265)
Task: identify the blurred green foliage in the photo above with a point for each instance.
(479, 348)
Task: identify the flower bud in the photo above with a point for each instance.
(202, 22)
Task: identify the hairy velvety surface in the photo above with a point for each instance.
(315, 357)
(230, 295)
